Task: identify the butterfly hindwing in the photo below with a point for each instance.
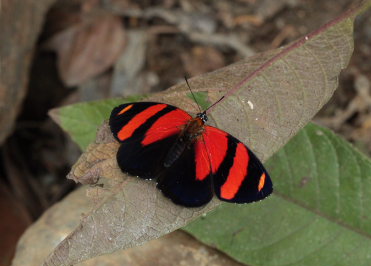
(238, 175)
(215, 163)
(179, 182)
(146, 131)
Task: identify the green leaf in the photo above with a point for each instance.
(319, 214)
(82, 120)
(201, 99)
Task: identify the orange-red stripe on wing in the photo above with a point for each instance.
(215, 142)
(127, 108)
(237, 173)
(202, 160)
(261, 182)
(138, 120)
(166, 126)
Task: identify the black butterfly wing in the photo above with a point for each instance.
(181, 181)
(238, 175)
(146, 131)
(215, 163)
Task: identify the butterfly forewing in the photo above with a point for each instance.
(146, 131)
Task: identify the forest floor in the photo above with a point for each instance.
(153, 45)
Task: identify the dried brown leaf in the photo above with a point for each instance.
(88, 48)
(19, 32)
(58, 221)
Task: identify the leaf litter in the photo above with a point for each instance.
(135, 211)
(89, 47)
(257, 42)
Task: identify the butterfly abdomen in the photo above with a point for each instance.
(175, 152)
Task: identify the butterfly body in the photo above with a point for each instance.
(190, 160)
(191, 133)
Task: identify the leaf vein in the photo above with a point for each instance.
(279, 109)
(315, 168)
(321, 214)
(325, 78)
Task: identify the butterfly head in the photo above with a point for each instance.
(203, 116)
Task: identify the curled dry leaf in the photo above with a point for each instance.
(98, 160)
(19, 32)
(274, 95)
(56, 222)
(88, 48)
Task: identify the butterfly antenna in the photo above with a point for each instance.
(194, 97)
(214, 103)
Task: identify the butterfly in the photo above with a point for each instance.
(191, 161)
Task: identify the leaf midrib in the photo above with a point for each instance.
(323, 215)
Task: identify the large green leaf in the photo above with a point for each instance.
(320, 213)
